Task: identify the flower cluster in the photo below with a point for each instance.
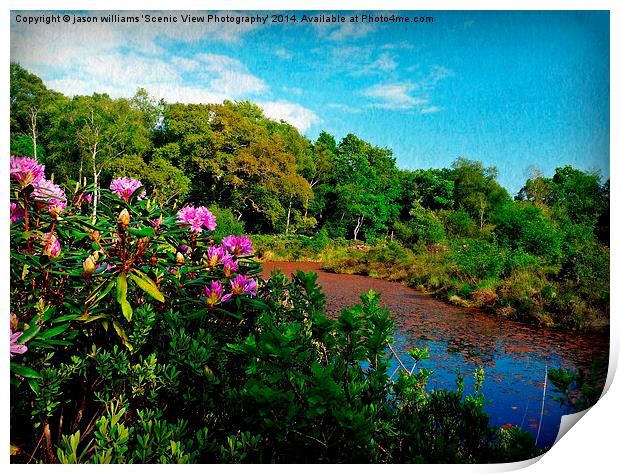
(17, 212)
(241, 285)
(26, 170)
(50, 194)
(15, 347)
(213, 294)
(238, 245)
(196, 218)
(125, 187)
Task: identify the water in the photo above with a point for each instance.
(514, 355)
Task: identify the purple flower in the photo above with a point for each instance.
(196, 218)
(52, 245)
(15, 347)
(213, 294)
(230, 265)
(51, 194)
(17, 212)
(26, 170)
(242, 285)
(125, 187)
(215, 256)
(238, 245)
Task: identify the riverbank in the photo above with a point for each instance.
(472, 275)
(513, 354)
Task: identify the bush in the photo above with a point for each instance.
(135, 338)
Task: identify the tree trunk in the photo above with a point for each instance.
(360, 221)
(33, 130)
(96, 183)
(483, 206)
(288, 215)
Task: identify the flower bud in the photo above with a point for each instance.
(180, 258)
(95, 235)
(89, 266)
(123, 217)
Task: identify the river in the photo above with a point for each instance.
(514, 355)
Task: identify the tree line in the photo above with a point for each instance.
(275, 180)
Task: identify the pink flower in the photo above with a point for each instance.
(15, 347)
(215, 256)
(125, 187)
(196, 218)
(52, 245)
(238, 245)
(17, 212)
(26, 170)
(51, 194)
(230, 265)
(213, 294)
(84, 197)
(242, 285)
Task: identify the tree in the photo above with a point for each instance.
(31, 101)
(105, 130)
(476, 191)
(367, 186)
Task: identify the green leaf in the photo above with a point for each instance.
(95, 292)
(144, 232)
(53, 331)
(66, 317)
(127, 310)
(90, 319)
(29, 334)
(121, 332)
(146, 284)
(25, 372)
(121, 287)
(34, 386)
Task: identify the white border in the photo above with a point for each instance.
(592, 444)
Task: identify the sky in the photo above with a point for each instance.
(514, 90)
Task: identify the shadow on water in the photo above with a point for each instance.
(514, 355)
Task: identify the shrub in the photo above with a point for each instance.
(136, 338)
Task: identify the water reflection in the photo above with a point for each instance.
(514, 355)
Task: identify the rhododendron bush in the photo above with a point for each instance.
(136, 337)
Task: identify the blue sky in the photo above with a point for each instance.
(511, 89)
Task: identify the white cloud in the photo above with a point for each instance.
(348, 30)
(293, 90)
(295, 114)
(439, 73)
(345, 108)
(431, 110)
(395, 96)
(229, 76)
(384, 63)
(58, 45)
(283, 53)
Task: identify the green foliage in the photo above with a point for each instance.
(423, 227)
(580, 390)
(23, 146)
(523, 226)
(130, 358)
(458, 223)
(296, 247)
(227, 223)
